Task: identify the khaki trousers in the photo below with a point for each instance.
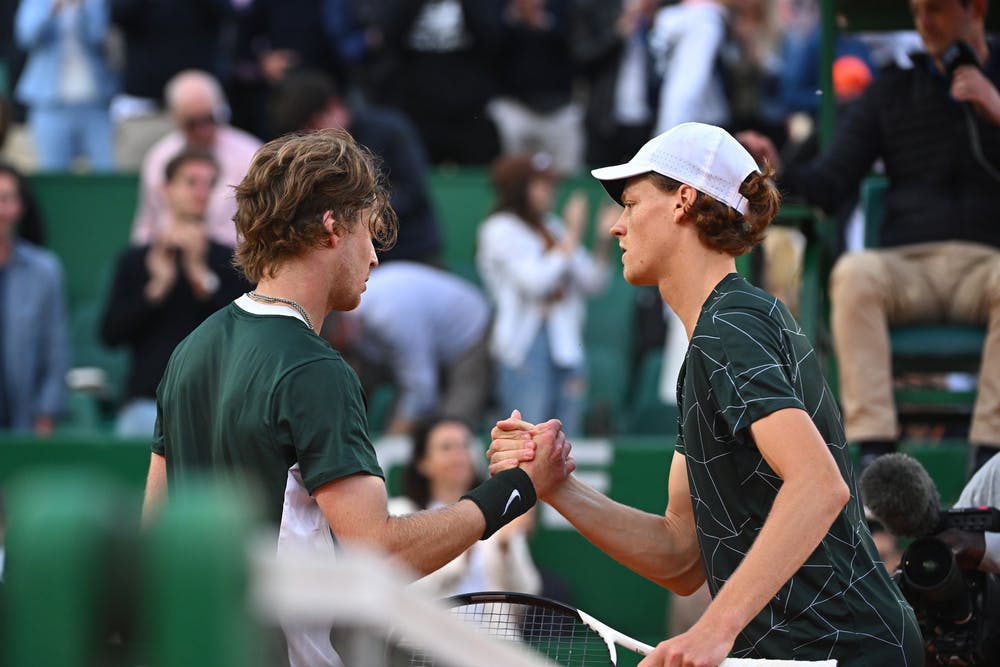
(949, 281)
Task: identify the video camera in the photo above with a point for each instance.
(958, 610)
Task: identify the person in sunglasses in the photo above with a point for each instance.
(200, 112)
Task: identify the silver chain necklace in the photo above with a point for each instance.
(263, 298)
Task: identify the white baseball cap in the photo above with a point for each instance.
(703, 156)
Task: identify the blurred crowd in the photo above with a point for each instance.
(586, 81)
(535, 90)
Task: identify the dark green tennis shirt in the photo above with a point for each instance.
(251, 395)
(747, 359)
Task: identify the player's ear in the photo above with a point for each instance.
(686, 196)
(333, 230)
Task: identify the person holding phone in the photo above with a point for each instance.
(936, 128)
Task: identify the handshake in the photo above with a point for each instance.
(540, 449)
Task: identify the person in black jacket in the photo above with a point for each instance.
(937, 130)
(445, 55)
(163, 290)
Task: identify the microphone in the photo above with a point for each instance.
(957, 54)
(900, 493)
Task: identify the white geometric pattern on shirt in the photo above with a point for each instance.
(719, 534)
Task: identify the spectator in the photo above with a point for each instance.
(978, 550)
(752, 66)
(361, 43)
(938, 135)
(66, 83)
(538, 275)
(535, 110)
(611, 48)
(687, 40)
(445, 55)
(277, 37)
(441, 470)
(198, 108)
(164, 289)
(30, 224)
(799, 84)
(427, 332)
(161, 39)
(34, 342)
(310, 100)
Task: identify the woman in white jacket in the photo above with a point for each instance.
(440, 470)
(538, 275)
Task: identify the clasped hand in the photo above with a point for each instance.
(541, 450)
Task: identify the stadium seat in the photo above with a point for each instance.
(607, 386)
(90, 352)
(648, 415)
(921, 350)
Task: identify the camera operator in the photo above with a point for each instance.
(949, 572)
(977, 550)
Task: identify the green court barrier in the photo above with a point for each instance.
(196, 607)
(70, 565)
(60, 585)
(85, 586)
(124, 461)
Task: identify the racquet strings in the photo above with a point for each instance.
(554, 633)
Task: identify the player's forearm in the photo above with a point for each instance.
(649, 544)
(799, 519)
(427, 540)
(156, 488)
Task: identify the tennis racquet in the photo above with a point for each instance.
(562, 633)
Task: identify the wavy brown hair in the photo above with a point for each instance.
(723, 228)
(292, 181)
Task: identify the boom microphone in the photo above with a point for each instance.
(900, 493)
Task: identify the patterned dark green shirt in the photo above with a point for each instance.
(749, 358)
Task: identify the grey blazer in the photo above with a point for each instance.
(36, 352)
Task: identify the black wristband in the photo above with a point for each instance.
(502, 498)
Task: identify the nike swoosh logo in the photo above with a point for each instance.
(514, 495)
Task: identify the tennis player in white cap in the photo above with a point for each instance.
(761, 498)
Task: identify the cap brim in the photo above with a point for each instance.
(613, 178)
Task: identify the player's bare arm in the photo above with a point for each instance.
(662, 548)
(799, 519)
(355, 508)
(156, 488)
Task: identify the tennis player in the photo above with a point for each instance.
(254, 392)
(761, 495)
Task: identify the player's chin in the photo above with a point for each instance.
(633, 277)
(351, 303)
